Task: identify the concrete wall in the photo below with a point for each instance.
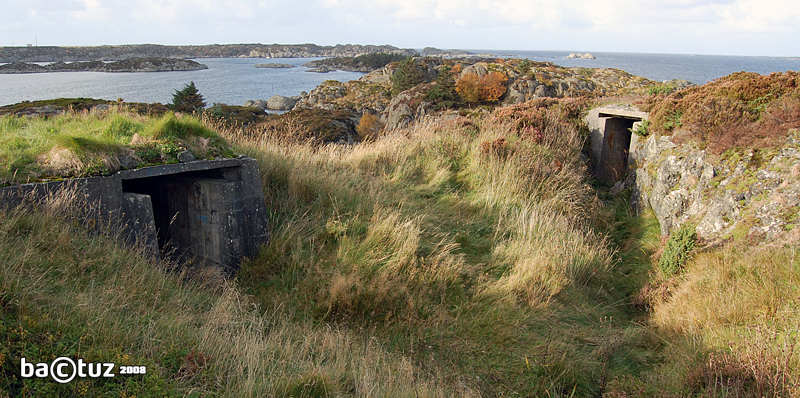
(199, 212)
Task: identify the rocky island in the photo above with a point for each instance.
(581, 56)
(274, 66)
(129, 65)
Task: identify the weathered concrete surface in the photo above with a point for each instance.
(611, 141)
(98, 198)
(137, 216)
(198, 212)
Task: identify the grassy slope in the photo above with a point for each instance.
(452, 258)
(469, 254)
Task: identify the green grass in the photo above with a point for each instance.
(77, 104)
(86, 144)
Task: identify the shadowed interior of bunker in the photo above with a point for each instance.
(183, 211)
(616, 147)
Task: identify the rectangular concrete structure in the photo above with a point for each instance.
(206, 212)
(611, 141)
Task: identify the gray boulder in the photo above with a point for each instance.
(399, 115)
(260, 104)
(280, 103)
(477, 69)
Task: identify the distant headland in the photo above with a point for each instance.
(129, 65)
(125, 52)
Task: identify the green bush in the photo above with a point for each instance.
(673, 121)
(443, 94)
(642, 130)
(187, 99)
(406, 76)
(524, 66)
(661, 89)
(678, 250)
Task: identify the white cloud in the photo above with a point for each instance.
(705, 26)
(755, 16)
(92, 11)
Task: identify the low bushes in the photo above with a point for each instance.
(742, 110)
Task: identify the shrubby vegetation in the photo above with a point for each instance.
(443, 94)
(369, 127)
(744, 110)
(468, 88)
(407, 75)
(677, 250)
(485, 89)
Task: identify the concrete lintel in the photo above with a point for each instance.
(625, 113)
(177, 168)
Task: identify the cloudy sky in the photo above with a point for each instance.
(726, 27)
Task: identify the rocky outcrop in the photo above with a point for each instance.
(581, 56)
(357, 96)
(407, 106)
(280, 103)
(130, 65)
(323, 96)
(476, 69)
(259, 103)
(274, 66)
(435, 52)
(370, 93)
(754, 192)
(321, 69)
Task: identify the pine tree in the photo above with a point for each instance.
(443, 94)
(406, 76)
(187, 100)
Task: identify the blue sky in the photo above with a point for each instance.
(726, 27)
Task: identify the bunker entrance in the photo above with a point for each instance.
(189, 213)
(616, 144)
(204, 212)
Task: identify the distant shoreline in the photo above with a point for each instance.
(125, 52)
(135, 65)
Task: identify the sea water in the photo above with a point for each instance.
(235, 80)
(698, 69)
(230, 81)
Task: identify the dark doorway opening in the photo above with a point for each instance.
(182, 210)
(616, 145)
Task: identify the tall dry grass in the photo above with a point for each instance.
(460, 242)
(72, 294)
(729, 325)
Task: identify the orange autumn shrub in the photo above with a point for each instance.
(468, 88)
(492, 86)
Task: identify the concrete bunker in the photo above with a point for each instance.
(208, 213)
(612, 143)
